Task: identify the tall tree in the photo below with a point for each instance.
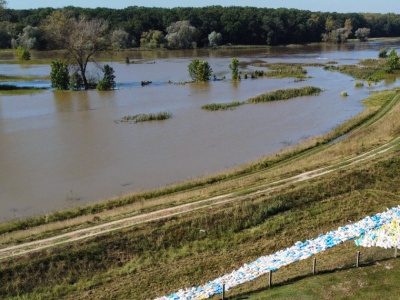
(214, 39)
(81, 38)
(119, 39)
(152, 39)
(181, 35)
(2, 4)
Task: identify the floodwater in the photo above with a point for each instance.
(60, 149)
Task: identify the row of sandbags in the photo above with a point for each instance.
(387, 236)
(299, 251)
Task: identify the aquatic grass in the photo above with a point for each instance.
(8, 89)
(344, 94)
(22, 78)
(367, 69)
(286, 94)
(282, 70)
(358, 83)
(11, 87)
(222, 106)
(147, 117)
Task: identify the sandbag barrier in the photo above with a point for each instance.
(299, 251)
(387, 236)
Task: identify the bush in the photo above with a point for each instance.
(107, 83)
(59, 75)
(199, 70)
(383, 53)
(234, 66)
(23, 54)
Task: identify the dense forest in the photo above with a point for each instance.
(202, 27)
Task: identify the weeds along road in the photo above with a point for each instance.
(16, 250)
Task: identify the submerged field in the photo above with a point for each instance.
(156, 258)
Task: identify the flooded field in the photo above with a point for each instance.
(60, 149)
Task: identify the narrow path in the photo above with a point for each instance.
(24, 248)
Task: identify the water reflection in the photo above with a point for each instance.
(65, 148)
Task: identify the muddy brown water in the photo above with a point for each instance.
(60, 149)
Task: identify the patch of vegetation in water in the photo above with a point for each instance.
(9, 89)
(147, 117)
(282, 70)
(22, 78)
(367, 69)
(285, 94)
(222, 106)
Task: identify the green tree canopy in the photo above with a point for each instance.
(181, 35)
(362, 34)
(234, 66)
(392, 62)
(59, 75)
(199, 70)
(152, 39)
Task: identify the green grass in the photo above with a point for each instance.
(286, 94)
(222, 106)
(376, 281)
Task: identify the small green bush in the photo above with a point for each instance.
(107, 83)
(199, 70)
(359, 84)
(59, 75)
(23, 53)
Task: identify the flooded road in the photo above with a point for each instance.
(60, 148)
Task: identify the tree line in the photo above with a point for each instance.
(201, 27)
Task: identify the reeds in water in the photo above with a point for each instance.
(222, 106)
(147, 117)
(286, 94)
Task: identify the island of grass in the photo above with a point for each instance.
(10, 89)
(286, 94)
(222, 106)
(147, 117)
(282, 70)
(367, 69)
(270, 96)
